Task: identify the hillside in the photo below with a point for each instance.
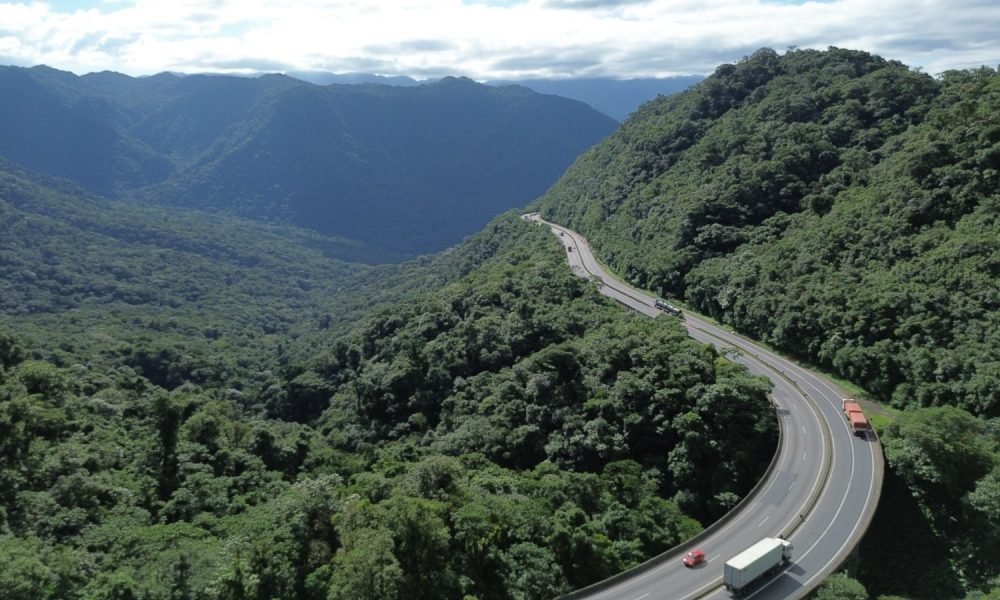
(842, 208)
(409, 170)
(193, 407)
(179, 295)
(751, 195)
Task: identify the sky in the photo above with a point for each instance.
(484, 39)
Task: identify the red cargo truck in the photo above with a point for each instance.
(855, 417)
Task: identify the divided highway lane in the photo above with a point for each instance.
(821, 493)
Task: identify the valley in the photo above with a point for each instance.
(403, 170)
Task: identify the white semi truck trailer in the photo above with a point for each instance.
(751, 565)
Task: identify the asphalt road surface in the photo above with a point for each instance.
(820, 493)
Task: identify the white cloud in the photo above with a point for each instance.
(486, 39)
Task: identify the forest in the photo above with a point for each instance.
(843, 209)
(184, 415)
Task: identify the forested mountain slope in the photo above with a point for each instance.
(178, 294)
(832, 203)
(407, 169)
(844, 209)
(181, 419)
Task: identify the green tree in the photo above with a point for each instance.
(940, 451)
(367, 569)
(24, 575)
(840, 587)
(11, 353)
(986, 495)
(532, 572)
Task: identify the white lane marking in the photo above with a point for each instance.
(824, 391)
(819, 417)
(857, 524)
(804, 454)
(761, 524)
(643, 596)
(762, 357)
(791, 485)
(807, 378)
(713, 558)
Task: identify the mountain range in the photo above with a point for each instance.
(614, 97)
(407, 169)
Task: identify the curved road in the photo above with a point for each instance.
(821, 492)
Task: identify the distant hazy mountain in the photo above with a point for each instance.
(615, 97)
(326, 78)
(410, 169)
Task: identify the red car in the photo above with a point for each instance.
(694, 558)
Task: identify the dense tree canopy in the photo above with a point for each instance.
(842, 208)
(834, 204)
(185, 418)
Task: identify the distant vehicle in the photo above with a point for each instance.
(694, 558)
(751, 565)
(561, 234)
(668, 308)
(569, 248)
(852, 410)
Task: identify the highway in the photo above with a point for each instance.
(820, 492)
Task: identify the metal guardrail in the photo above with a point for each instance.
(678, 550)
